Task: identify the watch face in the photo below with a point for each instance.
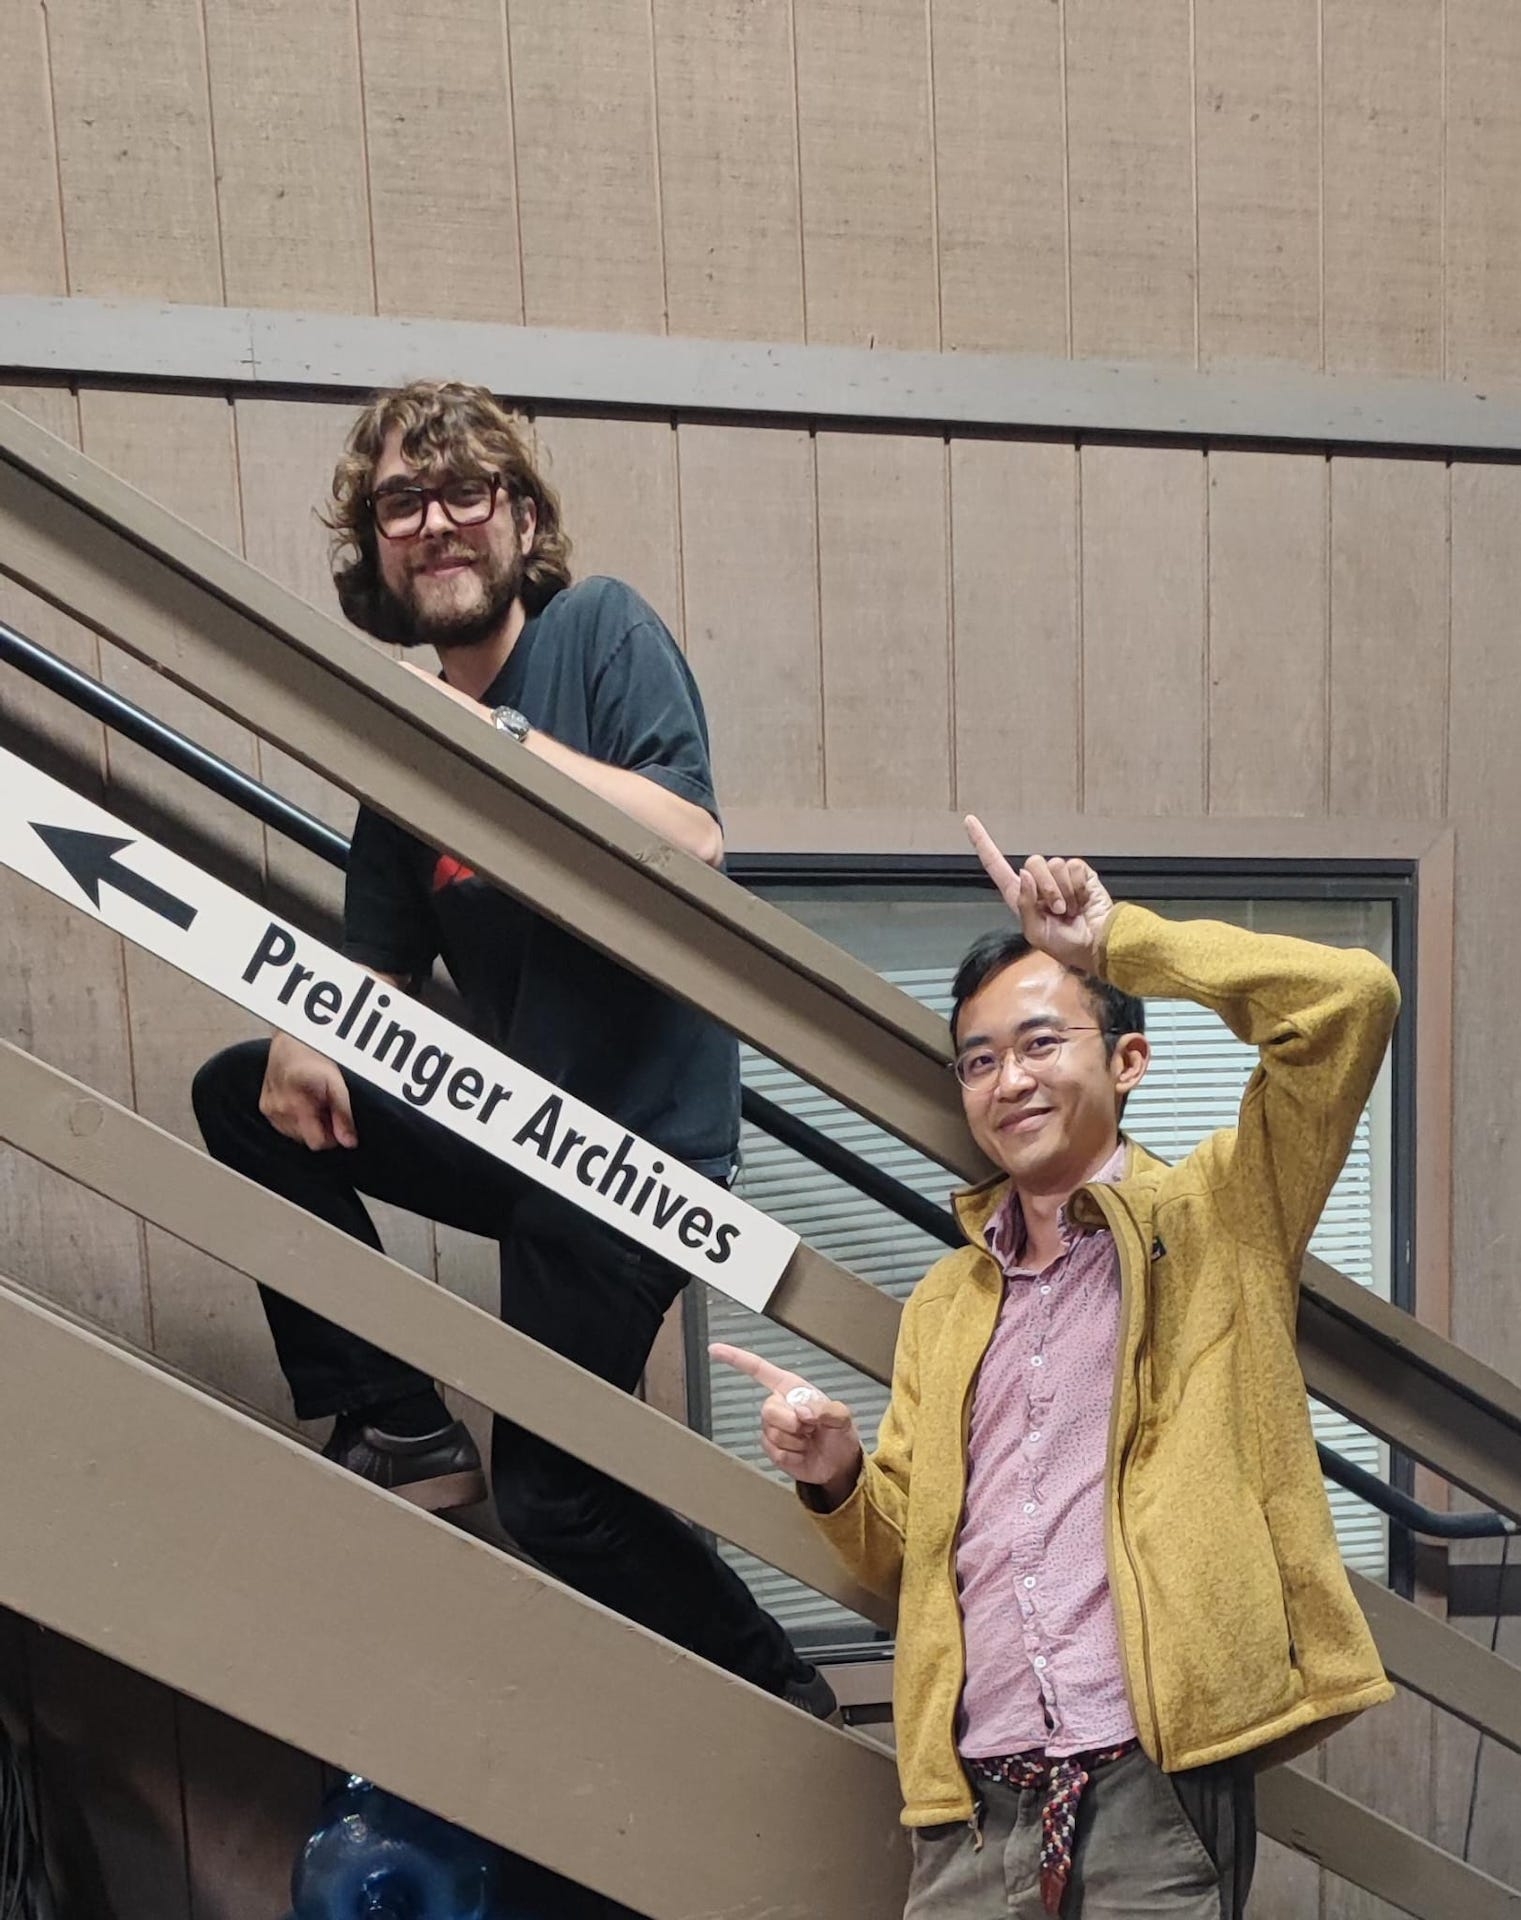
(509, 720)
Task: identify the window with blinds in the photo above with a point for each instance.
(1193, 1087)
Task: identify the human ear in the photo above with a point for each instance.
(1129, 1061)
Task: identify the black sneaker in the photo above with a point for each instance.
(809, 1690)
(438, 1471)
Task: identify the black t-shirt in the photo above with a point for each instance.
(598, 671)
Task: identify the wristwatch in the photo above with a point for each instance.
(509, 720)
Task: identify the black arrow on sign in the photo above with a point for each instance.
(91, 863)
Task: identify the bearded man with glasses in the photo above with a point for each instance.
(1095, 1494)
(446, 534)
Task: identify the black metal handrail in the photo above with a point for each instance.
(220, 777)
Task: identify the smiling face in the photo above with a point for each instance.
(1048, 1125)
(450, 586)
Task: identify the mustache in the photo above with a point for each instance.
(446, 550)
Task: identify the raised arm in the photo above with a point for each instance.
(1319, 1017)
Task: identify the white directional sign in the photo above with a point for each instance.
(93, 861)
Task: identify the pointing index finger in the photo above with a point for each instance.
(996, 867)
(762, 1372)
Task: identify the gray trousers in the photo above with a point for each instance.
(1149, 1846)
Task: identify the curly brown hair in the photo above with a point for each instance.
(446, 427)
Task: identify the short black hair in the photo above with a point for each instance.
(1116, 1012)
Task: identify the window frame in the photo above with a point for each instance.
(1409, 864)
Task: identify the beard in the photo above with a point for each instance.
(470, 622)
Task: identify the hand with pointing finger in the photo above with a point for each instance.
(803, 1431)
(1062, 905)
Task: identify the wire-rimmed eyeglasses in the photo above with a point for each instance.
(978, 1067)
(468, 500)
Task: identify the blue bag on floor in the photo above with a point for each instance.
(378, 1858)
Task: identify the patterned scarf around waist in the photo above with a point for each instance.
(1063, 1782)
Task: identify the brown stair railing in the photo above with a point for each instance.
(232, 1563)
(83, 540)
(90, 544)
(190, 1505)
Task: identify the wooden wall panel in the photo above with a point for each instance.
(750, 573)
(1017, 664)
(1286, 1885)
(1000, 172)
(1389, 638)
(286, 454)
(728, 168)
(588, 199)
(76, 739)
(1143, 587)
(1495, 1841)
(1483, 190)
(439, 141)
(250, 1803)
(63, 990)
(290, 154)
(648, 150)
(134, 150)
(1130, 179)
(884, 617)
(865, 140)
(108, 1749)
(1475, 1804)
(178, 448)
(203, 1317)
(31, 236)
(617, 485)
(1268, 612)
(1383, 185)
(1384, 1760)
(1484, 795)
(1257, 112)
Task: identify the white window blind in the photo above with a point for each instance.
(1194, 1086)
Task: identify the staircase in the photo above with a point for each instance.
(167, 1528)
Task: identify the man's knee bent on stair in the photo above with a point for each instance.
(446, 535)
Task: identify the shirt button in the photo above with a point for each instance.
(1029, 1579)
(1034, 1436)
(1029, 1506)
(1037, 1359)
(1040, 1663)
(1045, 1289)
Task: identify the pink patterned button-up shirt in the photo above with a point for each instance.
(1043, 1665)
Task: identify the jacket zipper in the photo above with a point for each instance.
(975, 1822)
(1118, 1469)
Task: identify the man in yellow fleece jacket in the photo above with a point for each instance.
(1095, 1494)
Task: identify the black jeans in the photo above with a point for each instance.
(567, 1281)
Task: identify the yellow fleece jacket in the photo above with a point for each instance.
(1238, 1629)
